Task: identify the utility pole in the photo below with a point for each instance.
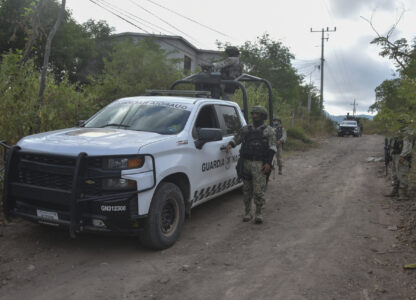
(354, 104)
(321, 99)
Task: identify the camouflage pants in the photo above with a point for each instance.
(279, 155)
(400, 171)
(254, 188)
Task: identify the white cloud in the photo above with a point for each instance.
(354, 66)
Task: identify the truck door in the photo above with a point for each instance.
(215, 169)
(230, 123)
(209, 163)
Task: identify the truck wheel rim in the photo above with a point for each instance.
(169, 217)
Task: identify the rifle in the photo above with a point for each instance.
(387, 156)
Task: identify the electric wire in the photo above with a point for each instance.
(118, 16)
(164, 21)
(144, 30)
(340, 61)
(135, 18)
(337, 86)
(187, 18)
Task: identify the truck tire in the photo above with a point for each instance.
(164, 222)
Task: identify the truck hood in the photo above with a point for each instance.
(93, 141)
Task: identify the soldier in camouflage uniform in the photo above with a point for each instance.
(230, 68)
(258, 146)
(401, 144)
(280, 140)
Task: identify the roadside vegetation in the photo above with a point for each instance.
(398, 95)
(88, 68)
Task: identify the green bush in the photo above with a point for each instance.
(299, 134)
(63, 103)
(131, 69)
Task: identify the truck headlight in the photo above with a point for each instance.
(124, 162)
(119, 184)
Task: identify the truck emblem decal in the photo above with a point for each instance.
(212, 164)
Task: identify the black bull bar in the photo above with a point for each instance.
(73, 196)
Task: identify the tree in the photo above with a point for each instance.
(13, 24)
(131, 69)
(272, 60)
(47, 53)
(78, 50)
(398, 95)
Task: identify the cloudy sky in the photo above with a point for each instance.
(353, 68)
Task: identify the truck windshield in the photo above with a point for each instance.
(159, 117)
(349, 123)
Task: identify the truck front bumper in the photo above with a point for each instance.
(52, 190)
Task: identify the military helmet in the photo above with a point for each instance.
(277, 119)
(404, 119)
(259, 109)
(232, 51)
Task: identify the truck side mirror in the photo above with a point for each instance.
(81, 123)
(206, 135)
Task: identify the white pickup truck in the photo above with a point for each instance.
(137, 167)
(349, 127)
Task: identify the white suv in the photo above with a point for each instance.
(137, 166)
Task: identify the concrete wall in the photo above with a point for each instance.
(177, 48)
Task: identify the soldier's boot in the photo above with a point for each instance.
(394, 191)
(259, 215)
(403, 194)
(280, 170)
(247, 215)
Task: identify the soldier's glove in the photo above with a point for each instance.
(266, 168)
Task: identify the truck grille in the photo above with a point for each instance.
(40, 178)
(46, 170)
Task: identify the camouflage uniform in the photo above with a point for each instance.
(230, 68)
(401, 145)
(280, 136)
(254, 178)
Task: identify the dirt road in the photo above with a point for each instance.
(328, 234)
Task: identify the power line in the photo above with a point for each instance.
(338, 86)
(354, 109)
(131, 23)
(322, 61)
(343, 69)
(189, 19)
(164, 21)
(118, 16)
(134, 17)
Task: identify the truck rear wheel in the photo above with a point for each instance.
(165, 219)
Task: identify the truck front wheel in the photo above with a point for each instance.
(165, 219)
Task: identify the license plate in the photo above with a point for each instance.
(47, 215)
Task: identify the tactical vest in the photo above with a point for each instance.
(397, 145)
(254, 145)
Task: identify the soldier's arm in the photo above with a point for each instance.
(407, 146)
(284, 135)
(225, 63)
(271, 138)
(236, 140)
